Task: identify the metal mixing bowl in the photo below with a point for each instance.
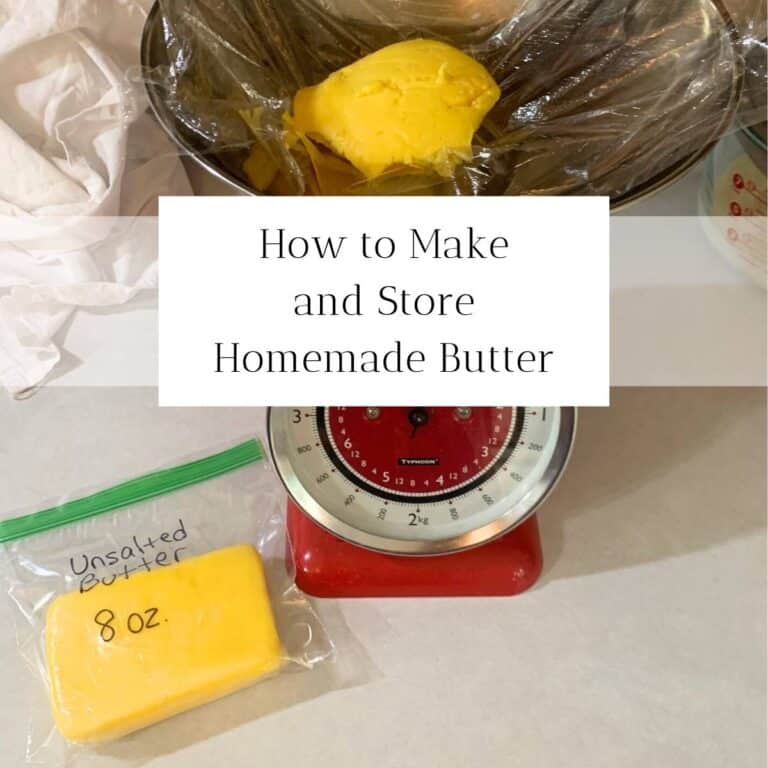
(626, 176)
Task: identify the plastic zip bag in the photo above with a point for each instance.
(118, 536)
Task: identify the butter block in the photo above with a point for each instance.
(414, 103)
(129, 654)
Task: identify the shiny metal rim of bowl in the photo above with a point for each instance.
(513, 517)
(656, 183)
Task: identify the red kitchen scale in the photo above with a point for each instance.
(417, 501)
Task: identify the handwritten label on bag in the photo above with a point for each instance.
(139, 554)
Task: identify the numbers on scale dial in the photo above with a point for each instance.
(413, 451)
(419, 471)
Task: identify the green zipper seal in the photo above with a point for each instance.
(133, 491)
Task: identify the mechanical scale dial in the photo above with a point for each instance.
(419, 480)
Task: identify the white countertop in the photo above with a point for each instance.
(642, 645)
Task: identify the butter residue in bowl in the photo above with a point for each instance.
(414, 103)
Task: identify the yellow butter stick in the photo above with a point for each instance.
(127, 655)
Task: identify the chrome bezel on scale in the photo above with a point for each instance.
(511, 518)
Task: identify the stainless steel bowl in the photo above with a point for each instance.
(627, 174)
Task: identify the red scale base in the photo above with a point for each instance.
(327, 566)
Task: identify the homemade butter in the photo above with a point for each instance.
(415, 103)
(124, 656)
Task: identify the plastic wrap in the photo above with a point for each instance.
(224, 499)
(598, 97)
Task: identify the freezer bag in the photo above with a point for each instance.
(154, 597)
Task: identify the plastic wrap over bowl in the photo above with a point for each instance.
(601, 97)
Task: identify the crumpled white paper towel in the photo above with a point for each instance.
(75, 142)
